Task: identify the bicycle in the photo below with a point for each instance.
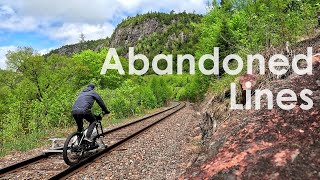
(75, 147)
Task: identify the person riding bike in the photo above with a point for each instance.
(81, 109)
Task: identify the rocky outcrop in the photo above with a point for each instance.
(154, 33)
(266, 144)
(172, 28)
(130, 35)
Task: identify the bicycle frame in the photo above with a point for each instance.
(98, 127)
(78, 146)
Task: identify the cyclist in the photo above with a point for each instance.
(81, 109)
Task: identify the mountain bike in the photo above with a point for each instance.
(76, 147)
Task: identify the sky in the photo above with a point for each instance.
(48, 24)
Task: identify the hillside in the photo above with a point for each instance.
(155, 33)
(265, 144)
(150, 33)
(37, 92)
(69, 50)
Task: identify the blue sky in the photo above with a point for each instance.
(47, 24)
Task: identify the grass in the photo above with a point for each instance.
(24, 143)
(40, 138)
(223, 84)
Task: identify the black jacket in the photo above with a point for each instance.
(85, 102)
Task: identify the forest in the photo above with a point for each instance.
(37, 91)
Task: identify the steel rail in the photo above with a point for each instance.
(84, 163)
(32, 160)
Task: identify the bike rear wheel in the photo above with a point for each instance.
(72, 151)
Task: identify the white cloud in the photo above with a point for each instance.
(89, 11)
(45, 51)
(99, 11)
(66, 20)
(3, 51)
(6, 10)
(11, 21)
(70, 32)
(67, 32)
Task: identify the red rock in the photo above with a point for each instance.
(247, 78)
(316, 59)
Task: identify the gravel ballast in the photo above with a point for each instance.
(162, 152)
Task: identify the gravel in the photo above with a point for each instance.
(162, 152)
(41, 170)
(16, 157)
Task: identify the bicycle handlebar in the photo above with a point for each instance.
(100, 116)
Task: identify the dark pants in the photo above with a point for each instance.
(79, 120)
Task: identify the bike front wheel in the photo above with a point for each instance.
(72, 151)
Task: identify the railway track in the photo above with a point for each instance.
(51, 165)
